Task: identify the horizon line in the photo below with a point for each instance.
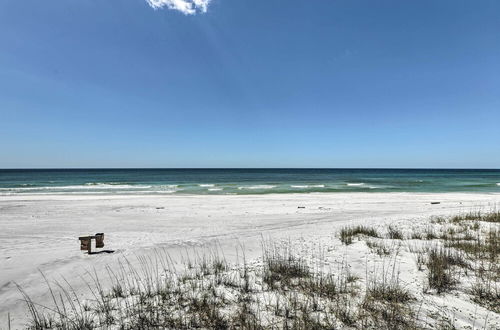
(248, 168)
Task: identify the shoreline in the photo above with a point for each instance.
(80, 195)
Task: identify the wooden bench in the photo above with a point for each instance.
(86, 242)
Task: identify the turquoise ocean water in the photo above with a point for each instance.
(244, 181)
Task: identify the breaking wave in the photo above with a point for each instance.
(260, 186)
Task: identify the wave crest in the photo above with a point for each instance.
(259, 186)
(308, 186)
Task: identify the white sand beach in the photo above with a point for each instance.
(39, 234)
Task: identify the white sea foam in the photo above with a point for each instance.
(308, 186)
(93, 188)
(98, 183)
(100, 186)
(498, 184)
(260, 186)
(215, 189)
(206, 185)
(82, 192)
(167, 188)
(355, 184)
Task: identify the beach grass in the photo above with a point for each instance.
(285, 288)
(347, 233)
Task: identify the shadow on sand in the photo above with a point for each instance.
(103, 251)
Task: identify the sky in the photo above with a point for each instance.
(247, 83)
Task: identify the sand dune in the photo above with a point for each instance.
(39, 232)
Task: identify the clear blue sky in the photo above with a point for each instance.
(274, 83)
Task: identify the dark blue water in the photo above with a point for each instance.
(244, 181)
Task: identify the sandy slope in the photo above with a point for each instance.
(39, 232)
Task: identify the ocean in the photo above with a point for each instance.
(244, 181)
